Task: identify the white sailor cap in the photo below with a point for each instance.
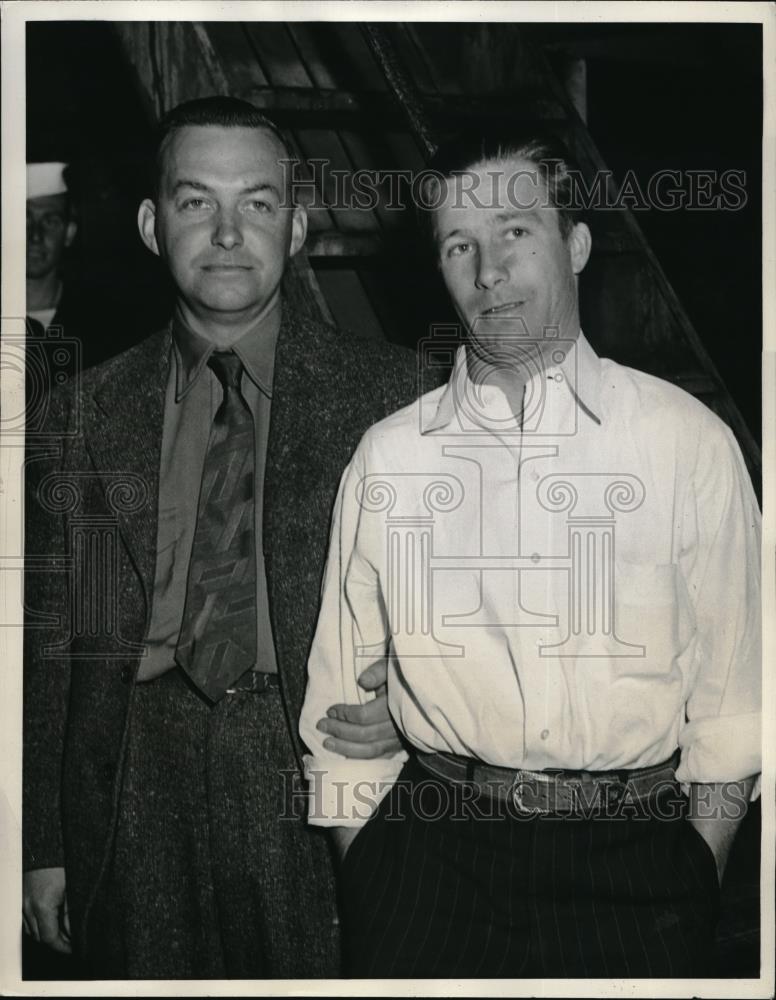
(45, 179)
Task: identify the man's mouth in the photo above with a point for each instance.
(227, 267)
(505, 309)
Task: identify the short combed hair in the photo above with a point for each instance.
(469, 150)
(227, 112)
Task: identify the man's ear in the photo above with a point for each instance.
(298, 230)
(70, 232)
(146, 223)
(580, 245)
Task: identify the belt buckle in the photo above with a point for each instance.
(616, 791)
(517, 790)
(258, 684)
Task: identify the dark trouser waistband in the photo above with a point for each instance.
(554, 791)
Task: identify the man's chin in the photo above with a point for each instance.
(229, 309)
(38, 269)
(227, 304)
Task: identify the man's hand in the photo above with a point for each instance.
(44, 908)
(363, 731)
(343, 837)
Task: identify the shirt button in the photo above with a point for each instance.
(559, 377)
(535, 557)
(544, 733)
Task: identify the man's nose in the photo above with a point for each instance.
(491, 269)
(227, 232)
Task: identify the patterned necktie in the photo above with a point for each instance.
(217, 642)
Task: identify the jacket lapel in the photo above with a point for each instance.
(123, 433)
(296, 502)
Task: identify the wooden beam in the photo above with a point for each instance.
(172, 61)
(372, 109)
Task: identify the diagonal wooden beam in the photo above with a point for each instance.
(400, 83)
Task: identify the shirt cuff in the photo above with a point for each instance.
(720, 749)
(345, 792)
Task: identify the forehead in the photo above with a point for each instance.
(222, 155)
(47, 204)
(487, 190)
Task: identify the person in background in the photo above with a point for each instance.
(51, 229)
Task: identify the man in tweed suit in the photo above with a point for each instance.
(162, 830)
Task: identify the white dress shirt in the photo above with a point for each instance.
(577, 588)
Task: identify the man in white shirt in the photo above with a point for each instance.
(558, 558)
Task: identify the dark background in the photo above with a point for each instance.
(659, 97)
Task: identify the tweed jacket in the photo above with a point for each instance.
(98, 470)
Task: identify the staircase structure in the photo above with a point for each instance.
(374, 97)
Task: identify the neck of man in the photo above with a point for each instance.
(511, 377)
(224, 330)
(44, 292)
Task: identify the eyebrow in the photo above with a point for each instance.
(453, 232)
(517, 213)
(529, 214)
(199, 186)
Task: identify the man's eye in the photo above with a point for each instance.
(194, 203)
(50, 223)
(516, 232)
(259, 205)
(457, 249)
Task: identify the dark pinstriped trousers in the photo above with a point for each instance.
(207, 881)
(434, 887)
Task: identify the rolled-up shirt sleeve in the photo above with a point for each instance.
(351, 634)
(721, 738)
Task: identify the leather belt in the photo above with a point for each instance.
(254, 682)
(562, 792)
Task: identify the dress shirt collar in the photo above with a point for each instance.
(256, 350)
(580, 371)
